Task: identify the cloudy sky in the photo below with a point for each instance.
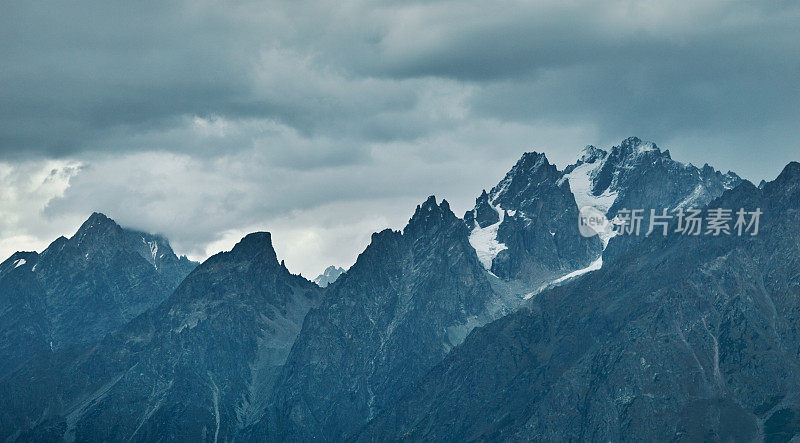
(325, 121)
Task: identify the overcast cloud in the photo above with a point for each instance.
(325, 121)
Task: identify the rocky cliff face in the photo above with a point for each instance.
(681, 337)
(79, 289)
(197, 367)
(409, 298)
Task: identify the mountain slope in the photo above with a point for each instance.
(198, 367)
(79, 289)
(680, 337)
(409, 298)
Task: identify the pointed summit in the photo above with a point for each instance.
(428, 215)
(97, 223)
(530, 171)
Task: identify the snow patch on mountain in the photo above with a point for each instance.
(485, 242)
(593, 266)
(581, 183)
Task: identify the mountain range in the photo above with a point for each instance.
(504, 324)
(81, 288)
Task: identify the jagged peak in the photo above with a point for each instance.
(532, 167)
(430, 205)
(428, 213)
(531, 161)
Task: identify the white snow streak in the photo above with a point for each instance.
(215, 398)
(580, 183)
(484, 240)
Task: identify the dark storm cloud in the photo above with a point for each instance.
(315, 117)
(96, 75)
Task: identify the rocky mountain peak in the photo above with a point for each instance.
(256, 244)
(530, 171)
(528, 165)
(97, 226)
(429, 215)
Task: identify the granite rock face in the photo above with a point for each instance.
(79, 289)
(200, 366)
(688, 338)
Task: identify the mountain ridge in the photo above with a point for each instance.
(80, 288)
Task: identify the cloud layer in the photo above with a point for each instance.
(324, 121)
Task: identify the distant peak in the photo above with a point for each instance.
(331, 274)
(639, 144)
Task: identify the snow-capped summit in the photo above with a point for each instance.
(538, 241)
